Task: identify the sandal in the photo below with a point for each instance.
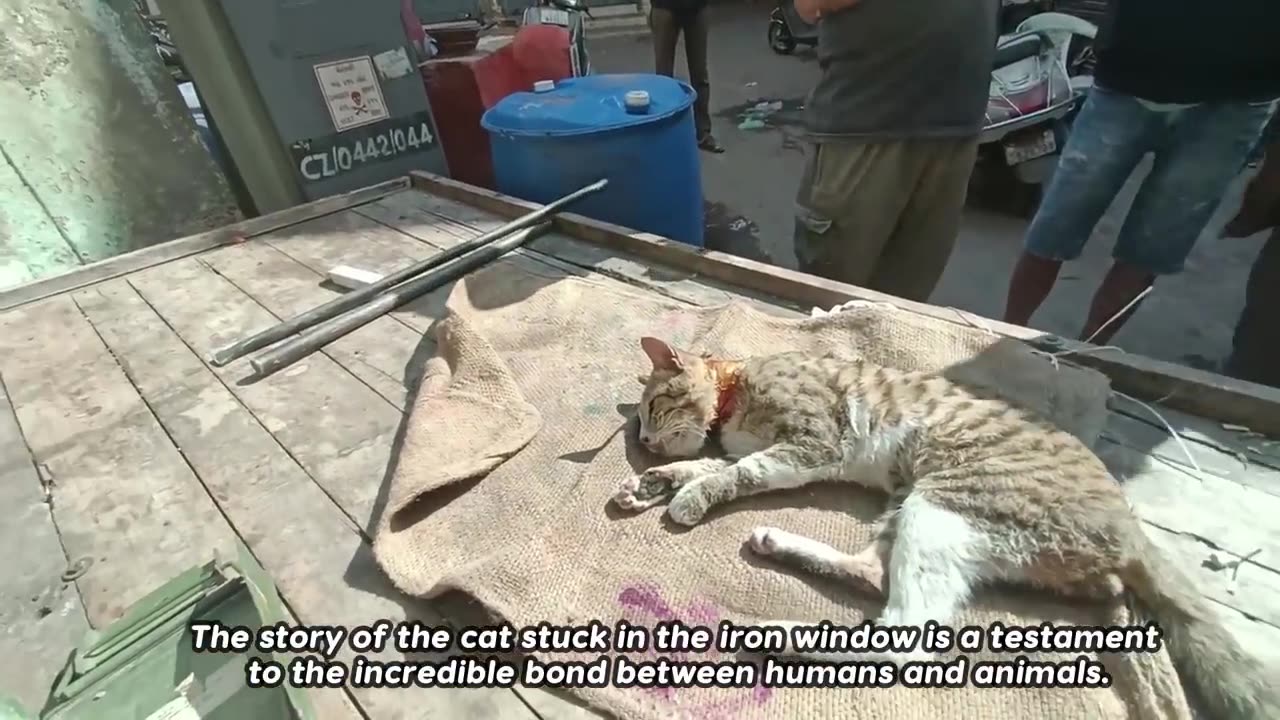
(709, 144)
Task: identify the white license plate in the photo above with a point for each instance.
(553, 16)
(1016, 153)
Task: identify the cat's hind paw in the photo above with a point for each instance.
(765, 540)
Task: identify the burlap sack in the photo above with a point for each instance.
(524, 428)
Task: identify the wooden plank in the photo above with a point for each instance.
(1186, 388)
(123, 498)
(1200, 528)
(1240, 442)
(385, 248)
(379, 352)
(314, 551)
(407, 226)
(52, 620)
(1231, 516)
(354, 239)
(412, 213)
(326, 703)
(41, 617)
(336, 427)
(183, 247)
(1147, 438)
(1257, 639)
(373, 247)
(1252, 590)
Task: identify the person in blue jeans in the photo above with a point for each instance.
(1199, 113)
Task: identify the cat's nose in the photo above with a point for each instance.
(646, 439)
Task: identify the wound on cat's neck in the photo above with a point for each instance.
(725, 374)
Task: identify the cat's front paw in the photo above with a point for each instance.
(648, 488)
(689, 506)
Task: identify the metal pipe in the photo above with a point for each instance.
(289, 352)
(344, 302)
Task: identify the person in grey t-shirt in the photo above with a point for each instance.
(894, 124)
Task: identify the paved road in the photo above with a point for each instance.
(1186, 319)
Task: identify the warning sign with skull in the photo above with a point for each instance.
(352, 93)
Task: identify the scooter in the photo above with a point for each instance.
(788, 30)
(1013, 12)
(568, 14)
(1033, 97)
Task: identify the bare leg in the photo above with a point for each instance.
(659, 483)
(1033, 278)
(1110, 136)
(866, 570)
(779, 467)
(1121, 285)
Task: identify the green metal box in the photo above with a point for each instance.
(143, 667)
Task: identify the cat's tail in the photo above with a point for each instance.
(1232, 684)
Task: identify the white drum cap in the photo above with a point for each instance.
(637, 100)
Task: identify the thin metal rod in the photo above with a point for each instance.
(289, 352)
(345, 302)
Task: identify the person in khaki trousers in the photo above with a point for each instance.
(668, 20)
(893, 127)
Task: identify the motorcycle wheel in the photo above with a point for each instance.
(780, 40)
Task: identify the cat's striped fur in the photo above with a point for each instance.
(979, 491)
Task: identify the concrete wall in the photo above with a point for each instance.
(98, 155)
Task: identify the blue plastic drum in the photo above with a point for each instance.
(636, 130)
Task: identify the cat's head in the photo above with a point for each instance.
(679, 400)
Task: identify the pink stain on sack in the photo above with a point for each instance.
(645, 606)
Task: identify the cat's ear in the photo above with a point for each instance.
(662, 355)
(642, 379)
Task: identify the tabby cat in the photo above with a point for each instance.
(979, 491)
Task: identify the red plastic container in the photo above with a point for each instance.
(462, 88)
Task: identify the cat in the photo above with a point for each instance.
(979, 490)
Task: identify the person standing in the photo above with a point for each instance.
(668, 20)
(1192, 82)
(893, 127)
(1255, 345)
